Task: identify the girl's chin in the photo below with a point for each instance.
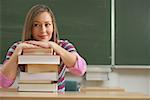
(44, 40)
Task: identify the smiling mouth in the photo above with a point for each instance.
(44, 36)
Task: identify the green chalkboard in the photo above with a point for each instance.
(132, 32)
(86, 23)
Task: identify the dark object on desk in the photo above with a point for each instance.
(71, 85)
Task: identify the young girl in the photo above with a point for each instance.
(40, 30)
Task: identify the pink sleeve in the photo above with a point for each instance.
(79, 67)
(4, 81)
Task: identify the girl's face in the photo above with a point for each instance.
(42, 28)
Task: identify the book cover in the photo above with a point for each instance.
(38, 87)
(38, 51)
(97, 76)
(37, 68)
(38, 59)
(35, 81)
(53, 76)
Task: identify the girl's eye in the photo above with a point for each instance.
(47, 25)
(36, 25)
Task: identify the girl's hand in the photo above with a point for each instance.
(50, 44)
(40, 44)
(23, 45)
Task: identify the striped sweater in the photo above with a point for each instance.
(78, 69)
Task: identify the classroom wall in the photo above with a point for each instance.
(88, 28)
(132, 80)
(76, 20)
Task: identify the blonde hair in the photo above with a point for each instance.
(33, 12)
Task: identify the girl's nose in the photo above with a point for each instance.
(43, 28)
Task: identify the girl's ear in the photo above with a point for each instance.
(52, 39)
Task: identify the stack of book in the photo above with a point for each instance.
(41, 70)
(97, 73)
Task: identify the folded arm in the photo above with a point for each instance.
(5, 81)
(79, 67)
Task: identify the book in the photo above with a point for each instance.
(35, 81)
(98, 69)
(38, 87)
(38, 59)
(37, 68)
(41, 70)
(37, 51)
(97, 76)
(39, 76)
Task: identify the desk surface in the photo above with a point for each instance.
(89, 95)
(113, 89)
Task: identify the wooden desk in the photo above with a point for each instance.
(113, 89)
(89, 95)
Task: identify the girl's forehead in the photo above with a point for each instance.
(44, 16)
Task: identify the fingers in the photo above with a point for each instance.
(22, 46)
(27, 45)
(38, 43)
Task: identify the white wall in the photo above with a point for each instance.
(132, 80)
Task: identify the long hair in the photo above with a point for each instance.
(33, 12)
